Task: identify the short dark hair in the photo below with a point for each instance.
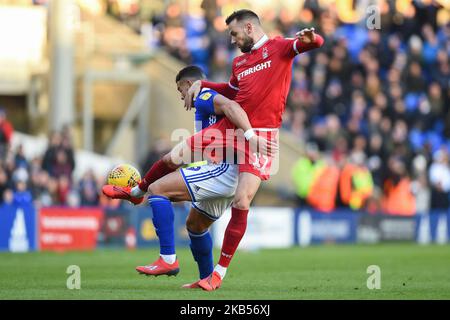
(192, 72)
(242, 15)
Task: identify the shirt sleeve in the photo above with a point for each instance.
(233, 83)
(204, 103)
(198, 123)
(228, 90)
(293, 46)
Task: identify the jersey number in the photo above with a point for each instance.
(257, 163)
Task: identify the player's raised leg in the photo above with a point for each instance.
(197, 225)
(169, 188)
(247, 187)
(181, 154)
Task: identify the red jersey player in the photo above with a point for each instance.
(260, 83)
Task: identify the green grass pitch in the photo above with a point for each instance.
(408, 271)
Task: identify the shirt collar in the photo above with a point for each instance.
(260, 42)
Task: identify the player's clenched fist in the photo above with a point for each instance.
(306, 35)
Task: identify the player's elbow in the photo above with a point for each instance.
(225, 108)
(231, 106)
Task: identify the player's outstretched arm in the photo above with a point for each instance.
(234, 112)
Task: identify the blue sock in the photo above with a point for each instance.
(163, 218)
(201, 247)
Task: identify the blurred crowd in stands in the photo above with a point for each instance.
(371, 107)
(46, 180)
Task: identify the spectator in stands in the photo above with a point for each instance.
(59, 158)
(88, 189)
(322, 195)
(340, 151)
(64, 189)
(22, 195)
(9, 167)
(5, 184)
(376, 158)
(439, 174)
(50, 198)
(398, 198)
(6, 131)
(334, 131)
(305, 171)
(161, 147)
(39, 187)
(63, 166)
(8, 197)
(316, 180)
(20, 160)
(355, 181)
(421, 191)
(50, 154)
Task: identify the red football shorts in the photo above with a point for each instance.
(222, 142)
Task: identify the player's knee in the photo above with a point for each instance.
(241, 205)
(194, 225)
(168, 161)
(242, 200)
(155, 189)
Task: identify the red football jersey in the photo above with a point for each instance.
(263, 78)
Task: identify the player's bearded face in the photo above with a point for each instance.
(247, 43)
(240, 36)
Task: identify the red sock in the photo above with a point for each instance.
(159, 169)
(233, 235)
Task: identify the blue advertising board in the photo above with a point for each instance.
(433, 227)
(313, 227)
(18, 228)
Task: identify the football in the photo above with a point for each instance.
(124, 175)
